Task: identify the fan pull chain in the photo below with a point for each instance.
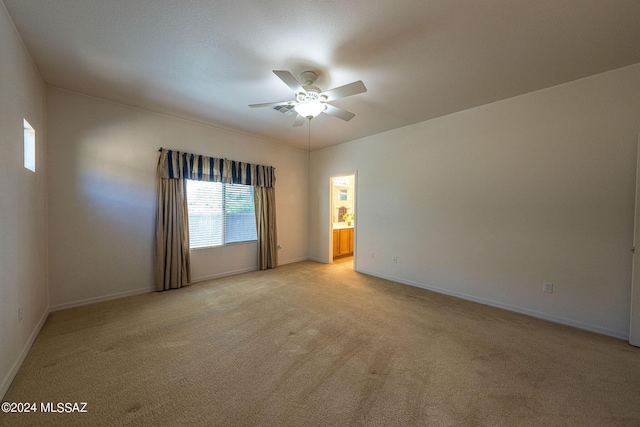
(309, 138)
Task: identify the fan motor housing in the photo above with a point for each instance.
(308, 77)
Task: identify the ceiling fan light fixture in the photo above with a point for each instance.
(310, 109)
(310, 101)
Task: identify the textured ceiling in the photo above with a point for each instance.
(207, 60)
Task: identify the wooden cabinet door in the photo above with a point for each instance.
(336, 243)
(344, 241)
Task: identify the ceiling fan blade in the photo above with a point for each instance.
(299, 121)
(289, 80)
(332, 110)
(271, 104)
(344, 91)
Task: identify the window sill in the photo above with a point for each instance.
(222, 246)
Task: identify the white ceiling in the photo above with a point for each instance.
(207, 60)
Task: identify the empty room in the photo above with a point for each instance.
(319, 213)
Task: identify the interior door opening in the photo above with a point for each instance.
(343, 219)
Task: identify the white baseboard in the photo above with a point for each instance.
(219, 275)
(533, 313)
(99, 299)
(8, 379)
(145, 290)
(244, 270)
(291, 261)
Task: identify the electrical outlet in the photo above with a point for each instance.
(547, 287)
(395, 259)
(20, 314)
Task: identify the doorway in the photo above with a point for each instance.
(342, 229)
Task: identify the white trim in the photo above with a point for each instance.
(291, 261)
(225, 274)
(242, 270)
(8, 379)
(533, 313)
(147, 290)
(98, 299)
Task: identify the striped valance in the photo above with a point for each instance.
(177, 165)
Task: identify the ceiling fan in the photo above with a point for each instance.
(311, 101)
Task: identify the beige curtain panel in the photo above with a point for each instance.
(172, 259)
(172, 262)
(265, 204)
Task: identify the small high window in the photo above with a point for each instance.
(29, 146)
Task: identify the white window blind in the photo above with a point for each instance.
(220, 213)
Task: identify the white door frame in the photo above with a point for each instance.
(634, 321)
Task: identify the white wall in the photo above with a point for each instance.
(23, 225)
(491, 202)
(103, 159)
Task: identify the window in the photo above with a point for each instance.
(29, 146)
(220, 214)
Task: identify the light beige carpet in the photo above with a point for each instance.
(320, 345)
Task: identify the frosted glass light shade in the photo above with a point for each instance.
(310, 108)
